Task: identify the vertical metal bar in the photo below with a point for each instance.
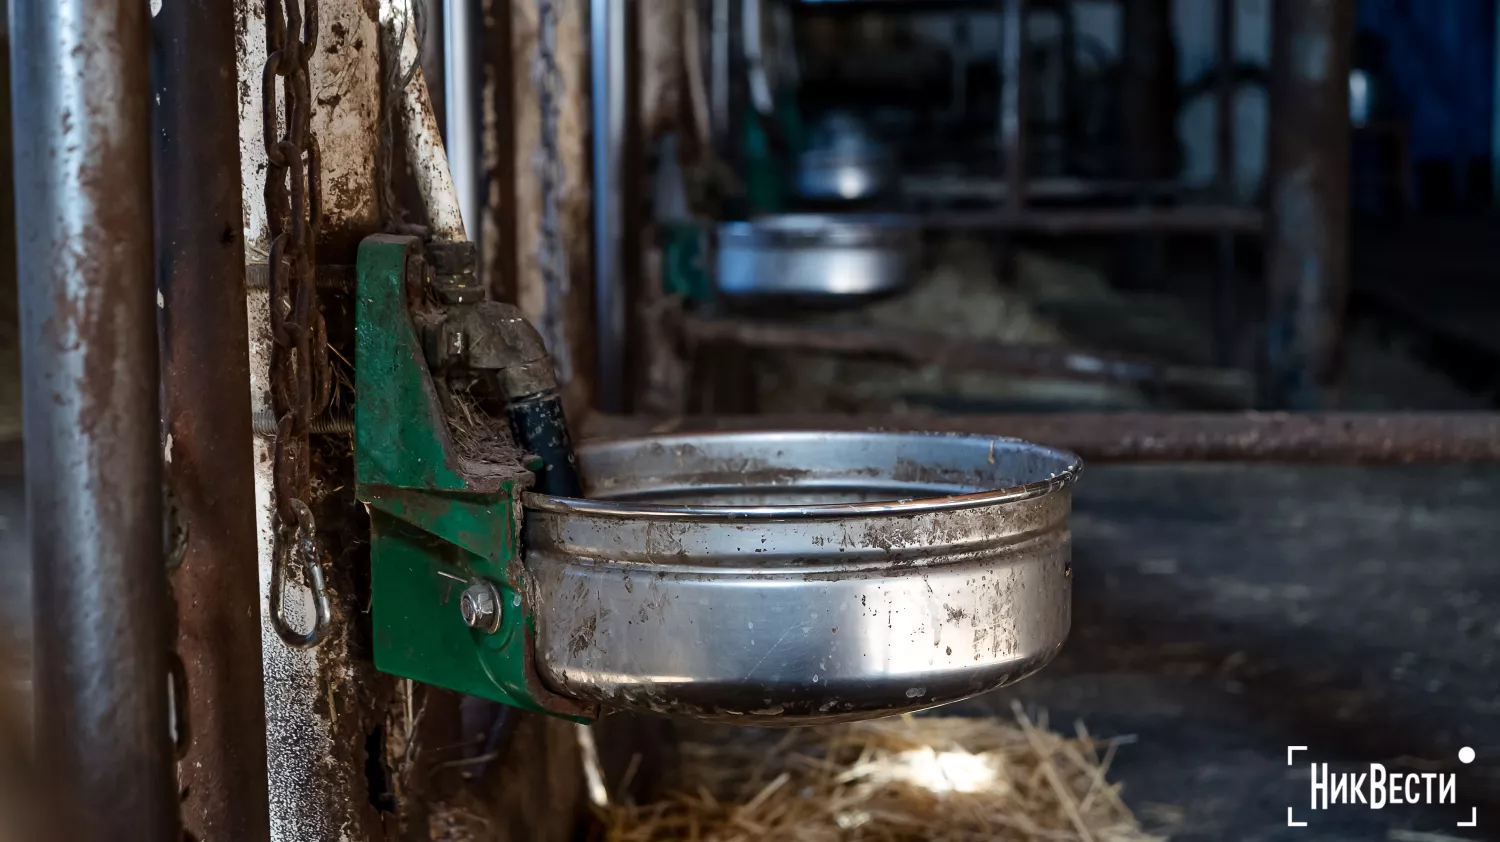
(1148, 105)
(1068, 39)
(1225, 318)
(1224, 99)
(608, 72)
(1494, 122)
(719, 62)
(428, 159)
(958, 56)
(1013, 101)
(317, 702)
(433, 59)
(1224, 281)
(93, 460)
(1307, 262)
(1148, 89)
(206, 399)
(461, 107)
(500, 265)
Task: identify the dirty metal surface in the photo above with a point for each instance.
(81, 88)
(320, 704)
(780, 579)
(345, 74)
(421, 137)
(207, 450)
(1334, 438)
(1307, 258)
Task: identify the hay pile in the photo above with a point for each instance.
(905, 779)
(960, 295)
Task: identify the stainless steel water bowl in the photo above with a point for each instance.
(787, 578)
(834, 260)
(844, 175)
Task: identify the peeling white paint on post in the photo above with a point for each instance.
(308, 788)
(423, 140)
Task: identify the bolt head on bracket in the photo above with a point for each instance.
(480, 605)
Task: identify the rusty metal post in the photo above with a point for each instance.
(1148, 89)
(1013, 102)
(206, 393)
(1067, 81)
(1224, 321)
(1148, 101)
(1224, 100)
(1307, 262)
(81, 90)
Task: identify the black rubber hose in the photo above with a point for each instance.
(541, 428)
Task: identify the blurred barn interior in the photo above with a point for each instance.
(1238, 255)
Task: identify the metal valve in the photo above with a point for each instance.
(451, 388)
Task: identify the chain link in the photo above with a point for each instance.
(300, 380)
(552, 259)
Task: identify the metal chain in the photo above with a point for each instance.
(552, 259)
(300, 382)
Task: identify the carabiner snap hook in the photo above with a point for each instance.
(280, 557)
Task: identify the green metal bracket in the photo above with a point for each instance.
(437, 522)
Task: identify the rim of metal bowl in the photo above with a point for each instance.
(813, 229)
(920, 505)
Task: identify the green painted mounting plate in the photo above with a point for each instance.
(437, 525)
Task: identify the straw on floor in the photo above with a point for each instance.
(934, 779)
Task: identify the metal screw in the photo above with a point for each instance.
(480, 605)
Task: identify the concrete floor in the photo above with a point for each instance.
(1223, 613)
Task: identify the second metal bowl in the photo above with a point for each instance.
(786, 578)
(818, 260)
(844, 175)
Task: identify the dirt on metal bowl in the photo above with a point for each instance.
(788, 578)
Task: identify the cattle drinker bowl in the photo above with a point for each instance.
(787, 578)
